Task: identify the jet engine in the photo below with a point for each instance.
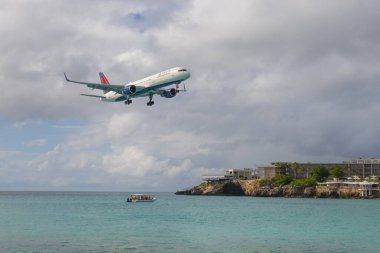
(169, 93)
(129, 90)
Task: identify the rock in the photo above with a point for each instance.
(293, 191)
(249, 186)
(215, 188)
(348, 193)
(261, 192)
(275, 192)
(309, 192)
(326, 192)
(253, 188)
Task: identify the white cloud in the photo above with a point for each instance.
(135, 59)
(270, 81)
(121, 126)
(132, 161)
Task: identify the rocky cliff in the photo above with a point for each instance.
(253, 188)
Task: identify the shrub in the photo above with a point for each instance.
(280, 180)
(320, 173)
(307, 182)
(336, 172)
(264, 182)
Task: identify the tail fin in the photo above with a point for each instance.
(103, 79)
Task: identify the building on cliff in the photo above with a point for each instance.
(366, 189)
(362, 167)
(357, 168)
(246, 173)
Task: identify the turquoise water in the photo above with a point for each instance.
(104, 222)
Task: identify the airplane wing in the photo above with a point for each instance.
(94, 96)
(99, 86)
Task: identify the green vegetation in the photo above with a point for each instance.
(296, 168)
(264, 182)
(320, 173)
(281, 180)
(292, 169)
(336, 172)
(278, 180)
(307, 182)
(283, 167)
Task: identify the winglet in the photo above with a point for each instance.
(66, 77)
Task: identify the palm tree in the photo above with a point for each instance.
(283, 167)
(296, 168)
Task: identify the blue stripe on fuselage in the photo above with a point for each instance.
(152, 88)
(121, 98)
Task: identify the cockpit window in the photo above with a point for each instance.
(180, 70)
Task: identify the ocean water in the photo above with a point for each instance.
(105, 222)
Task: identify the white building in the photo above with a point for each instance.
(366, 188)
(245, 173)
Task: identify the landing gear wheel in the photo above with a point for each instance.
(150, 103)
(127, 102)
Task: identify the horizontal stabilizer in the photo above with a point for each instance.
(94, 96)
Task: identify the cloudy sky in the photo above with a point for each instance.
(271, 80)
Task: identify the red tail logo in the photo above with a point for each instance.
(103, 79)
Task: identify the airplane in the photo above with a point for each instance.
(146, 87)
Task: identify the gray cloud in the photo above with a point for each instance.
(270, 81)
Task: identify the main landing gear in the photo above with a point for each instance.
(128, 101)
(150, 102)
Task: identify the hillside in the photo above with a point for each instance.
(253, 188)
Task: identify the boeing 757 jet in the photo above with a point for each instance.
(146, 87)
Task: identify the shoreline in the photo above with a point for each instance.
(253, 188)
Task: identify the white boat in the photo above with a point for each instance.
(137, 197)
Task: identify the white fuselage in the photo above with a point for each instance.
(159, 80)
